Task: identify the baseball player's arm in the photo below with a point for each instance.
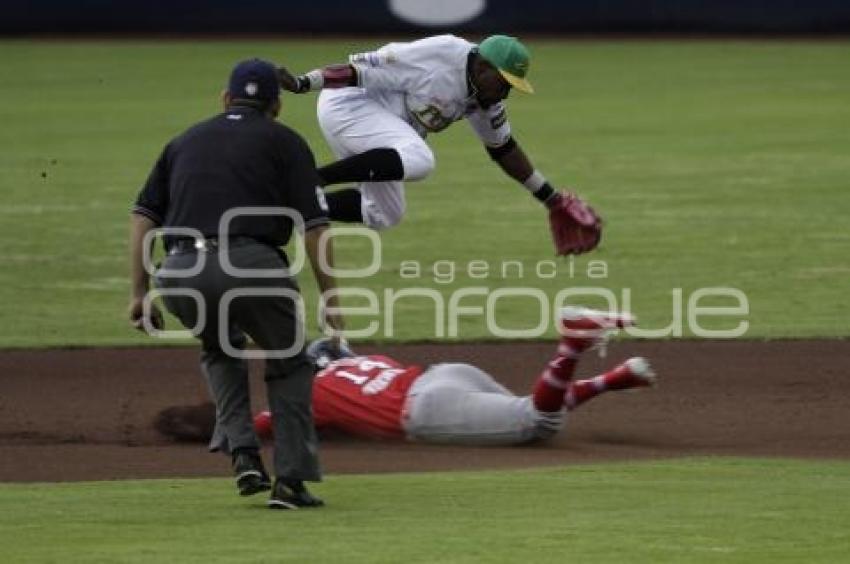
(574, 225)
(331, 76)
(391, 67)
(140, 225)
(492, 127)
(322, 261)
(513, 160)
(307, 198)
(148, 213)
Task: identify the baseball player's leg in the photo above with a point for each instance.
(296, 443)
(289, 383)
(218, 440)
(227, 380)
(633, 373)
(382, 204)
(460, 404)
(360, 130)
(274, 325)
(554, 381)
(582, 329)
(226, 377)
(377, 149)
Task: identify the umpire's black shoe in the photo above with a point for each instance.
(251, 475)
(288, 494)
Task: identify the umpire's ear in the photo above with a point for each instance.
(226, 99)
(274, 108)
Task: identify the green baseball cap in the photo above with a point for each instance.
(510, 57)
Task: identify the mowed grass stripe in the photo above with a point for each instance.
(689, 510)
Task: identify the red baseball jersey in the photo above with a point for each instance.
(363, 396)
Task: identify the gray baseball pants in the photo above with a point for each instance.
(273, 324)
(461, 404)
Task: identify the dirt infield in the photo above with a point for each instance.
(86, 414)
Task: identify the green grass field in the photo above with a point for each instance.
(700, 510)
(714, 164)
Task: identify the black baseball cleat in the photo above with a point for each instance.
(292, 495)
(251, 475)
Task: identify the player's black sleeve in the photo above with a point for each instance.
(304, 193)
(152, 201)
(497, 153)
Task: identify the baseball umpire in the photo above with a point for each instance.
(376, 110)
(241, 158)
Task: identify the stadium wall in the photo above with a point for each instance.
(425, 16)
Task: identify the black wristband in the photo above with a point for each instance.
(544, 192)
(303, 82)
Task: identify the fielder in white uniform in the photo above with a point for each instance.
(376, 111)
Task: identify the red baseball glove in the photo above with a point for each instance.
(576, 228)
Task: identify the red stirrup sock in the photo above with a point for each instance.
(580, 391)
(619, 378)
(634, 373)
(553, 382)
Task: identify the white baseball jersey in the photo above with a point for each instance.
(425, 83)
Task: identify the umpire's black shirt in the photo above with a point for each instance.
(238, 158)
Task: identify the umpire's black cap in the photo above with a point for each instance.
(254, 79)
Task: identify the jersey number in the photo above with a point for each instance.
(378, 383)
(356, 378)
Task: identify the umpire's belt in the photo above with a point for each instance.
(191, 245)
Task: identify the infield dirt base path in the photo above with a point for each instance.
(86, 414)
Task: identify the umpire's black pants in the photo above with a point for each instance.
(273, 324)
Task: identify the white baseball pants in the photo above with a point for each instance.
(353, 123)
